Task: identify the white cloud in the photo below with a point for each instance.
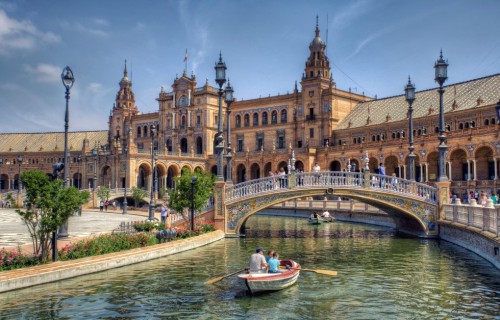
(100, 22)
(21, 35)
(44, 72)
(92, 31)
(347, 15)
(94, 87)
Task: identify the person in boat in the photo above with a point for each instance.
(314, 215)
(269, 256)
(257, 262)
(326, 214)
(274, 263)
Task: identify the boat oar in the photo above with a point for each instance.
(214, 280)
(319, 271)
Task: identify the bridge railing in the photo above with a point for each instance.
(486, 219)
(327, 179)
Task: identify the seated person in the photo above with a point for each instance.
(269, 256)
(274, 263)
(257, 262)
(326, 214)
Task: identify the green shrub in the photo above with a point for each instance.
(106, 243)
(148, 226)
(14, 260)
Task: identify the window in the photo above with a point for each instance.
(183, 101)
(145, 131)
(283, 116)
(169, 145)
(140, 145)
(198, 101)
(274, 117)
(260, 143)
(255, 119)
(198, 120)
(299, 144)
(138, 132)
(281, 142)
(169, 123)
(246, 122)
(311, 132)
(238, 121)
(183, 122)
(240, 145)
(264, 118)
(155, 145)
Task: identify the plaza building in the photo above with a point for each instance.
(319, 123)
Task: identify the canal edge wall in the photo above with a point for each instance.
(484, 244)
(61, 270)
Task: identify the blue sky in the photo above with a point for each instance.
(373, 46)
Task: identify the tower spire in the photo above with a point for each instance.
(125, 75)
(317, 27)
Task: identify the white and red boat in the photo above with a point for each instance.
(262, 282)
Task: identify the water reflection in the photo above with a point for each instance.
(381, 275)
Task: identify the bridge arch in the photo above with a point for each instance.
(412, 211)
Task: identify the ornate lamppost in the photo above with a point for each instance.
(441, 74)
(151, 198)
(220, 78)
(68, 80)
(95, 153)
(193, 182)
(229, 99)
(125, 151)
(19, 183)
(410, 97)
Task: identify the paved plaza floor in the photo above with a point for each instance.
(14, 233)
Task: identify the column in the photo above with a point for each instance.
(403, 172)
(426, 165)
(449, 170)
(496, 169)
(475, 169)
(422, 177)
(468, 170)
(189, 118)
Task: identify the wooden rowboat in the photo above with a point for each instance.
(263, 282)
(315, 220)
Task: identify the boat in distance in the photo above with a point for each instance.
(265, 282)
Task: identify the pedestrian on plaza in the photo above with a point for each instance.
(316, 170)
(3, 203)
(101, 205)
(164, 214)
(114, 204)
(257, 262)
(106, 204)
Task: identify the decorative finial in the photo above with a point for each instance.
(125, 70)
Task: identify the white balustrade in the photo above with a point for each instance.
(486, 219)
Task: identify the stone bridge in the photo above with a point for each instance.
(413, 205)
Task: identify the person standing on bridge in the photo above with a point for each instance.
(381, 171)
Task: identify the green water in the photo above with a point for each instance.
(381, 276)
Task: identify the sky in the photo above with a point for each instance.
(373, 46)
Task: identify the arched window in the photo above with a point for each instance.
(169, 145)
(378, 137)
(373, 138)
(183, 101)
(255, 119)
(394, 135)
(436, 130)
(184, 145)
(493, 121)
(460, 126)
(354, 141)
(283, 116)
(264, 118)
(145, 131)
(246, 121)
(183, 122)
(448, 127)
(274, 117)
(238, 121)
(139, 132)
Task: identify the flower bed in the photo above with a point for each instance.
(108, 243)
(13, 260)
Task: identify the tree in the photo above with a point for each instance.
(162, 192)
(180, 198)
(48, 206)
(138, 194)
(103, 193)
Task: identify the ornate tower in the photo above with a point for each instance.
(123, 109)
(314, 111)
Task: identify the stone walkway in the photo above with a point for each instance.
(14, 233)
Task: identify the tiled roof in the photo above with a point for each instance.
(49, 141)
(392, 109)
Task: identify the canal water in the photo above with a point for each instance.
(381, 275)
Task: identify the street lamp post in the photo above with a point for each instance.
(95, 153)
(193, 182)
(441, 74)
(19, 183)
(78, 161)
(220, 78)
(151, 198)
(68, 80)
(229, 156)
(410, 97)
(125, 151)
